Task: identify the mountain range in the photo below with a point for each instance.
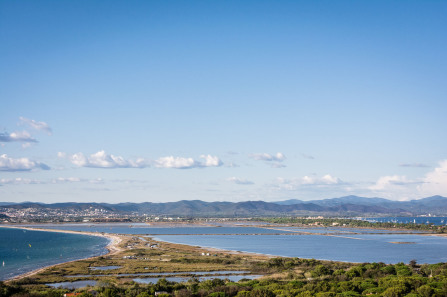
(342, 206)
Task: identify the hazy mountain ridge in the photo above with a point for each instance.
(342, 206)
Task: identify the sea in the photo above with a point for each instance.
(22, 251)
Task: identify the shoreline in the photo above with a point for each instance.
(112, 248)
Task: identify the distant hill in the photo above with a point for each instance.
(434, 205)
(6, 203)
(342, 206)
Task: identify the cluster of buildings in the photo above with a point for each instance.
(37, 214)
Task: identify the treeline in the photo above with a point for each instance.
(292, 277)
(335, 222)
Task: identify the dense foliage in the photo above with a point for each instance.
(289, 277)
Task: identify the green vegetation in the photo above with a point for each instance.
(287, 277)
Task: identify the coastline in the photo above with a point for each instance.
(112, 247)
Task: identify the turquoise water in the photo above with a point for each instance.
(23, 251)
(348, 248)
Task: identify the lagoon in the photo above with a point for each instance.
(387, 248)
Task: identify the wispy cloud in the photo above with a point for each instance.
(418, 165)
(63, 180)
(39, 126)
(239, 181)
(278, 165)
(58, 180)
(278, 157)
(21, 164)
(67, 180)
(18, 136)
(103, 160)
(19, 181)
(306, 156)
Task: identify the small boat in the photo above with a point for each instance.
(3, 264)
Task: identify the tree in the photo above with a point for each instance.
(425, 291)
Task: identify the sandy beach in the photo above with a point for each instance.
(113, 247)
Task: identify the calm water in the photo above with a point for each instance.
(233, 278)
(410, 220)
(158, 274)
(22, 251)
(148, 230)
(348, 248)
(74, 285)
(342, 230)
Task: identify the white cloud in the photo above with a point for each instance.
(18, 136)
(240, 181)
(61, 155)
(176, 162)
(103, 160)
(306, 181)
(389, 182)
(40, 126)
(21, 164)
(435, 182)
(211, 161)
(325, 180)
(279, 157)
(187, 163)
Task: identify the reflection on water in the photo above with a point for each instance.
(221, 272)
(73, 285)
(104, 267)
(153, 280)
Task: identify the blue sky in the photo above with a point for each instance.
(222, 101)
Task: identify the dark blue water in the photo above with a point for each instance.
(348, 248)
(23, 251)
(148, 230)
